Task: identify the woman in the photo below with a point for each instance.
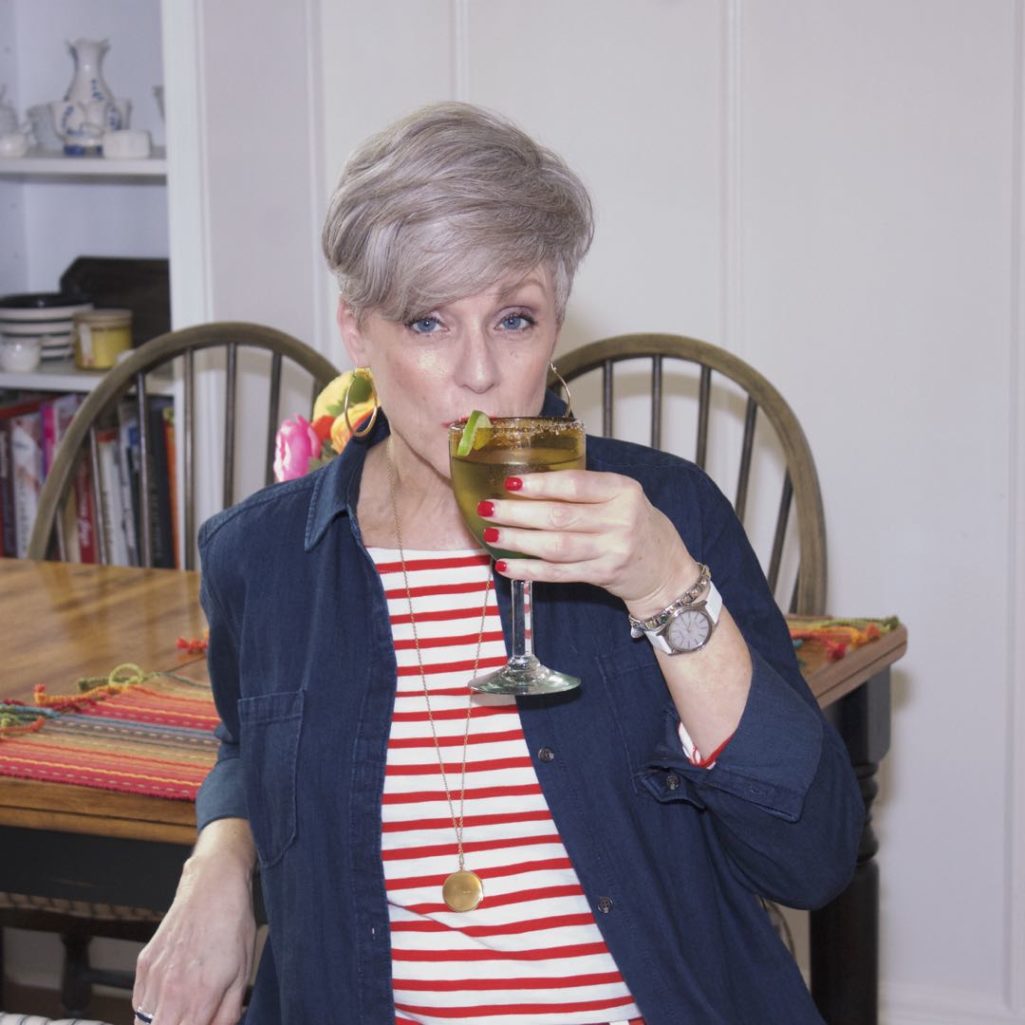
(618, 867)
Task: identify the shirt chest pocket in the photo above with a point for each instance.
(270, 727)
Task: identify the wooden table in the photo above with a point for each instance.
(60, 622)
(854, 693)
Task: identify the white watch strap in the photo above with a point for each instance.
(713, 603)
(658, 642)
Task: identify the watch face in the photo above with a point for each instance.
(689, 630)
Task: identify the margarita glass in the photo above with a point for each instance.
(501, 448)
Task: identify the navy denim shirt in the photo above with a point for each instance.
(670, 856)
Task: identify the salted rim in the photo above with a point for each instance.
(508, 423)
(509, 431)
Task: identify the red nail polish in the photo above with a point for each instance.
(490, 535)
(513, 483)
(485, 508)
(501, 566)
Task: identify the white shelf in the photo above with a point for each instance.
(38, 164)
(64, 376)
(60, 375)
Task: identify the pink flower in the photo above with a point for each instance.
(295, 445)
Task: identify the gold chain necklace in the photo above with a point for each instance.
(462, 890)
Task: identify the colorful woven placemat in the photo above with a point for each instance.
(831, 639)
(137, 733)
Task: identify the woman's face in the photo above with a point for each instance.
(489, 351)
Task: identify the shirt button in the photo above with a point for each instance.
(546, 754)
(604, 905)
(672, 781)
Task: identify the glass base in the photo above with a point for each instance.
(526, 676)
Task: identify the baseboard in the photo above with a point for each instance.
(916, 1005)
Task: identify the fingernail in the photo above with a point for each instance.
(485, 508)
(501, 566)
(490, 535)
(513, 483)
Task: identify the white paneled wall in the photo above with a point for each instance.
(833, 190)
(882, 226)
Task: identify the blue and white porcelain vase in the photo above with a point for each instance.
(89, 108)
(87, 83)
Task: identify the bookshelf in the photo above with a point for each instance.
(55, 209)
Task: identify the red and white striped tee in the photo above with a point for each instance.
(530, 953)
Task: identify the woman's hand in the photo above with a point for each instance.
(596, 528)
(599, 528)
(196, 968)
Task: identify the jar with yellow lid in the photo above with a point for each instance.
(100, 336)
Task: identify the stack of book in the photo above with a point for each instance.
(31, 429)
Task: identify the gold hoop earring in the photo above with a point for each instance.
(565, 387)
(361, 372)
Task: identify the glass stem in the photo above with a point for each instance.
(521, 631)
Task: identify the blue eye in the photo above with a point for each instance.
(517, 322)
(424, 325)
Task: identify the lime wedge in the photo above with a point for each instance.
(475, 434)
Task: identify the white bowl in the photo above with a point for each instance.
(40, 328)
(20, 355)
(41, 306)
(14, 144)
(49, 314)
(127, 144)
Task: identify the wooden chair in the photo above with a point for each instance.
(721, 386)
(727, 392)
(133, 377)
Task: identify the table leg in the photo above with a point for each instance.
(845, 933)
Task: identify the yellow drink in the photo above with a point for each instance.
(515, 446)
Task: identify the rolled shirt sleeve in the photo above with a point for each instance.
(781, 795)
(222, 794)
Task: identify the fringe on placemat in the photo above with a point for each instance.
(838, 636)
(126, 676)
(16, 720)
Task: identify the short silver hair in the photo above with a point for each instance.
(447, 202)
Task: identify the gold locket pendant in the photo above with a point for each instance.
(463, 890)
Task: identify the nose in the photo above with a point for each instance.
(478, 369)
